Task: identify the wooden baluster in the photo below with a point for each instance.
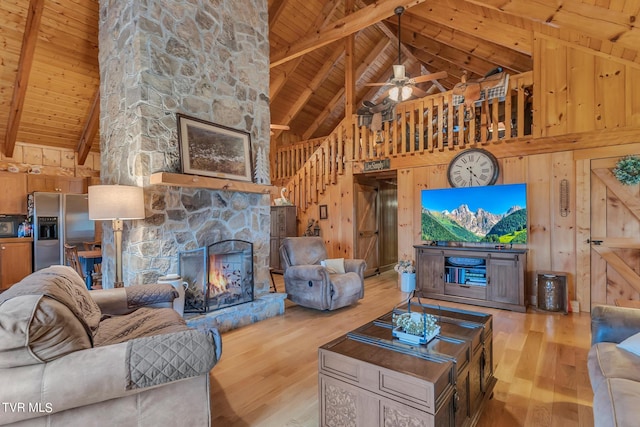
(507, 114)
(441, 108)
(430, 127)
(461, 135)
(451, 111)
(412, 128)
(484, 112)
(495, 119)
(520, 111)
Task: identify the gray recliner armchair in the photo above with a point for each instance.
(310, 284)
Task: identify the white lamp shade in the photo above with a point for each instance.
(394, 93)
(406, 92)
(115, 202)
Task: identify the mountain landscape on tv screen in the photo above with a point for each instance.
(463, 225)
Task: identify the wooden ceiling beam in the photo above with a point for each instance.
(349, 60)
(275, 10)
(500, 33)
(322, 116)
(384, 76)
(330, 62)
(364, 65)
(29, 40)
(341, 28)
(91, 127)
(454, 71)
(454, 56)
(470, 44)
(322, 20)
(287, 69)
(607, 23)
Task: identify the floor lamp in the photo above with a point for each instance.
(117, 203)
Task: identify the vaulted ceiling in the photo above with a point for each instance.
(322, 54)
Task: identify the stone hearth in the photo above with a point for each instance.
(225, 319)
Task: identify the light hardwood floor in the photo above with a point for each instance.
(268, 372)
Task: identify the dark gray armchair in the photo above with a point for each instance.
(312, 285)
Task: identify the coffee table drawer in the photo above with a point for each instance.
(388, 383)
(343, 404)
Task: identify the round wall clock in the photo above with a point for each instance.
(473, 167)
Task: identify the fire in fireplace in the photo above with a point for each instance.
(219, 275)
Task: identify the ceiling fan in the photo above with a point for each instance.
(402, 86)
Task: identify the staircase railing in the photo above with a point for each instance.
(321, 169)
(431, 124)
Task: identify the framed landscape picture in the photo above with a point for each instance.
(209, 149)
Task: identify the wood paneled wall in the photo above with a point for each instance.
(580, 90)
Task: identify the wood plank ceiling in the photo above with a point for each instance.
(49, 74)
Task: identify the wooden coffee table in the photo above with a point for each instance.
(368, 378)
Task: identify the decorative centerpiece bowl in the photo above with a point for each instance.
(415, 328)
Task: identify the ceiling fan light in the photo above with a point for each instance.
(398, 72)
(406, 92)
(394, 93)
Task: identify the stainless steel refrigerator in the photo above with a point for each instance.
(59, 219)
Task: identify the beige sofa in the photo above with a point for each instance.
(614, 372)
(120, 357)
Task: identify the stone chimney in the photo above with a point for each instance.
(202, 58)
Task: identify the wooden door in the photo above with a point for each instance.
(367, 226)
(388, 236)
(614, 241)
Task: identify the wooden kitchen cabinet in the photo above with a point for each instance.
(56, 184)
(13, 193)
(15, 260)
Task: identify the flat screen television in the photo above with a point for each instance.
(490, 214)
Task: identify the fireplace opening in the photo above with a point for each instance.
(219, 275)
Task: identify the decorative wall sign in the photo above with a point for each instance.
(377, 165)
(209, 149)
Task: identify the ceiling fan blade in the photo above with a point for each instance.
(279, 127)
(429, 77)
(419, 93)
(382, 97)
(378, 84)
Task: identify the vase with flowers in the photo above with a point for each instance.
(407, 271)
(415, 328)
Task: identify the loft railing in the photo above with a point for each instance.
(430, 124)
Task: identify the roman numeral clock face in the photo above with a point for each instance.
(473, 167)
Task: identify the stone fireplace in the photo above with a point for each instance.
(208, 60)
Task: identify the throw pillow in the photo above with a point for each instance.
(631, 344)
(334, 266)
